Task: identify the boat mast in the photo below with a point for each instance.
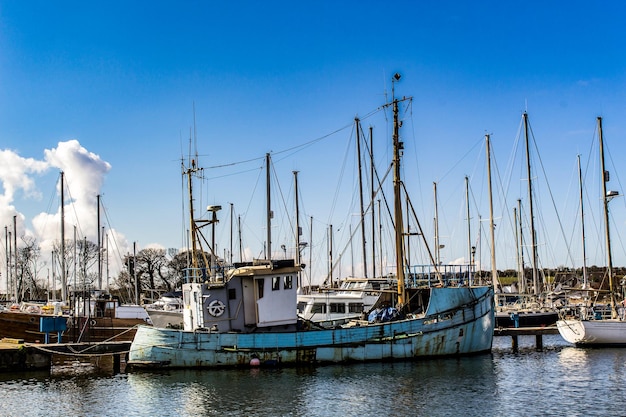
(232, 220)
(373, 191)
(269, 208)
(605, 200)
(517, 247)
(99, 244)
(582, 223)
(15, 254)
(533, 244)
(494, 271)
(520, 245)
(297, 254)
(362, 213)
(63, 273)
(399, 228)
(469, 230)
(192, 226)
(437, 254)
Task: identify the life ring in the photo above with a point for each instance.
(216, 308)
(92, 323)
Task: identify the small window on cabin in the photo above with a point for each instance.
(355, 307)
(232, 294)
(337, 308)
(318, 308)
(301, 306)
(275, 283)
(288, 284)
(260, 283)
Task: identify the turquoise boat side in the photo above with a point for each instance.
(458, 321)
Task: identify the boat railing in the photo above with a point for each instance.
(197, 275)
(446, 275)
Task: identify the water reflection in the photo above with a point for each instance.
(560, 380)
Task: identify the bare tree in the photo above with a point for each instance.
(29, 284)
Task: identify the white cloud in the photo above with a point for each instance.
(84, 174)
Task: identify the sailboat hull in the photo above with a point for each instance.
(459, 321)
(606, 332)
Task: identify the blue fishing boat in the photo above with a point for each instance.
(246, 314)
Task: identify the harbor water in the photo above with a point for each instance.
(560, 380)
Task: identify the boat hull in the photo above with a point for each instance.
(608, 332)
(165, 319)
(25, 326)
(527, 318)
(460, 321)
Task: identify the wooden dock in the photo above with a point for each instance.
(514, 333)
(17, 356)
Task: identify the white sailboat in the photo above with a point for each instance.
(600, 325)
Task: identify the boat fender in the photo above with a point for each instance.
(216, 308)
(254, 362)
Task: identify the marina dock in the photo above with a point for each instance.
(514, 333)
(15, 355)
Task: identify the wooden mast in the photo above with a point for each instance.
(399, 227)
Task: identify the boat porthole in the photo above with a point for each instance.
(32, 319)
(92, 323)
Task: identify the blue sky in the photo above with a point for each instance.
(110, 89)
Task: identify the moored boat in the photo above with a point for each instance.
(354, 299)
(167, 310)
(603, 325)
(94, 318)
(246, 315)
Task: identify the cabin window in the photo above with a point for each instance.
(288, 284)
(318, 308)
(275, 283)
(260, 283)
(232, 294)
(301, 307)
(355, 307)
(337, 308)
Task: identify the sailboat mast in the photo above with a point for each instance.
(362, 210)
(297, 254)
(232, 220)
(582, 224)
(605, 200)
(373, 191)
(15, 255)
(437, 246)
(533, 244)
(520, 244)
(494, 271)
(469, 229)
(99, 244)
(63, 273)
(269, 207)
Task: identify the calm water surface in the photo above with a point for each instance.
(559, 381)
